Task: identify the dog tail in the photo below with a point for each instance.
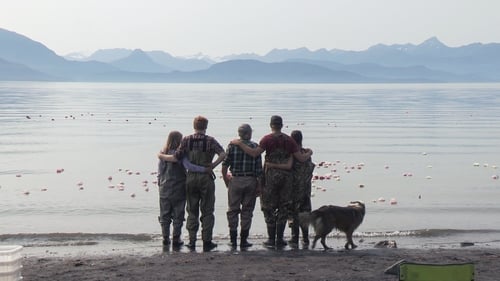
(305, 219)
(309, 218)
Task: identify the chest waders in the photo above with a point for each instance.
(200, 195)
(172, 189)
(302, 176)
(276, 198)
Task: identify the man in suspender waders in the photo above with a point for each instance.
(276, 198)
(200, 187)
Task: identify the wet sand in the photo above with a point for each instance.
(256, 264)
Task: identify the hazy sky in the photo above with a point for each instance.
(223, 27)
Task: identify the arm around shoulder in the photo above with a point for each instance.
(303, 156)
(283, 166)
(254, 152)
(167, 157)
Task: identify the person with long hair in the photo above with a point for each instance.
(302, 176)
(172, 189)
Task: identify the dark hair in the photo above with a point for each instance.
(276, 122)
(200, 123)
(297, 137)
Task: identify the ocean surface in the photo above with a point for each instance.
(78, 160)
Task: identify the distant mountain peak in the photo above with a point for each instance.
(138, 52)
(140, 61)
(137, 56)
(18, 48)
(432, 42)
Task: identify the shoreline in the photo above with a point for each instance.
(259, 264)
(84, 244)
(150, 261)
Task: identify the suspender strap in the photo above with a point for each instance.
(204, 140)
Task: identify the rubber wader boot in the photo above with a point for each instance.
(192, 241)
(244, 236)
(165, 231)
(233, 234)
(280, 230)
(176, 241)
(271, 233)
(208, 246)
(294, 241)
(305, 235)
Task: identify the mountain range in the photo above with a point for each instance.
(23, 59)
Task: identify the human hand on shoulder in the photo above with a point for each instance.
(236, 142)
(306, 152)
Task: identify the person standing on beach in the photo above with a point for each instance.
(172, 189)
(276, 199)
(302, 176)
(243, 184)
(200, 149)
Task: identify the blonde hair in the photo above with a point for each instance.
(173, 141)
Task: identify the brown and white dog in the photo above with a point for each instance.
(326, 218)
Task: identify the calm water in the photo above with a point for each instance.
(433, 148)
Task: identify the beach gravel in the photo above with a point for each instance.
(262, 264)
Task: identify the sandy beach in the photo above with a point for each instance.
(257, 264)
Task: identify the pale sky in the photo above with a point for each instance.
(224, 27)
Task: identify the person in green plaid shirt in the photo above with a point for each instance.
(243, 186)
